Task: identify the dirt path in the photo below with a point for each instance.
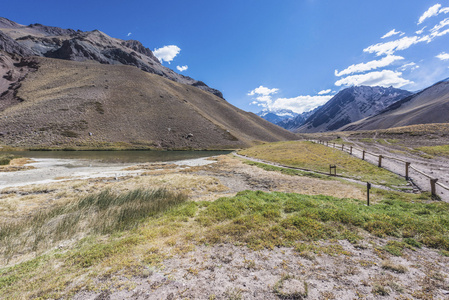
(437, 167)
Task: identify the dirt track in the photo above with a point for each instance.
(437, 167)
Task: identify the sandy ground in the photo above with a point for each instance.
(230, 272)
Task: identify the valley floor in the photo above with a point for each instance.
(182, 267)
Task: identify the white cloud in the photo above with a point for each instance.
(392, 32)
(412, 66)
(371, 65)
(444, 10)
(166, 53)
(390, 47)
(435, 31)
(182, 68)
(421, 30)
(378, 78)
(298, 104)
(431, 12)
(263, 96)
(443, 56)
(129, 34)
(261, 90)
(324, 92)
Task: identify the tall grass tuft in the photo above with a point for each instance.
(6, 159)
(102, 213)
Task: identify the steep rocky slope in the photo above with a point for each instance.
(428, 106)
(350, 105)
(68, 44)
(64, 103)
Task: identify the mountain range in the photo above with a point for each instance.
(430, 105)
(350, 105)
(277, 116)
(63, 88)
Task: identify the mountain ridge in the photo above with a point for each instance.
(350, 105)
(54, 42)
(430, 105)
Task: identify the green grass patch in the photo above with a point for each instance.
(318, 157)
(442, 150)
(5, 159)
(137, 240)
(291, 172)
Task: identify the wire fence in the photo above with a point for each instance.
(379, 158)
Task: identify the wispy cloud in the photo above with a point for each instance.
(421, 30)
(412, 66)
(324, 92)
(299, 104)
(436, 30)
(166, 53)
(391, 33)
(378, 78)
(431, 12)
(389, 48)
(129, 34)
(371, 65)
(443, 56)
(182, 68)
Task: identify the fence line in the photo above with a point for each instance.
(433, 181)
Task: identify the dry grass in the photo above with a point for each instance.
(318, 157)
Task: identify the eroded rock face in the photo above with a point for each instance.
(68, 44)
(13, 70)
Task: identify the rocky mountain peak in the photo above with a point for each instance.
(350, 105)
(68, 44)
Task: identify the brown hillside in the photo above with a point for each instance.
(87, 104)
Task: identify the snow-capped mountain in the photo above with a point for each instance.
(296, 122)
(276, 116)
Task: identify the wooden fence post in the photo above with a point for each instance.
(334, 145)
(368, 186)
(342, 146)
(363, 155)
(350, 150)
(433, 182)
(327, 143)
(407, 165)
(380, 161)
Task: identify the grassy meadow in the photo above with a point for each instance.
(139, 229)
(316, 157)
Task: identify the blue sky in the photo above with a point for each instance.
(291, 54)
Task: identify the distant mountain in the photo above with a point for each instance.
(430, 105)
(350, 105)
(68, 44)
(276, 116)
(296, 122)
